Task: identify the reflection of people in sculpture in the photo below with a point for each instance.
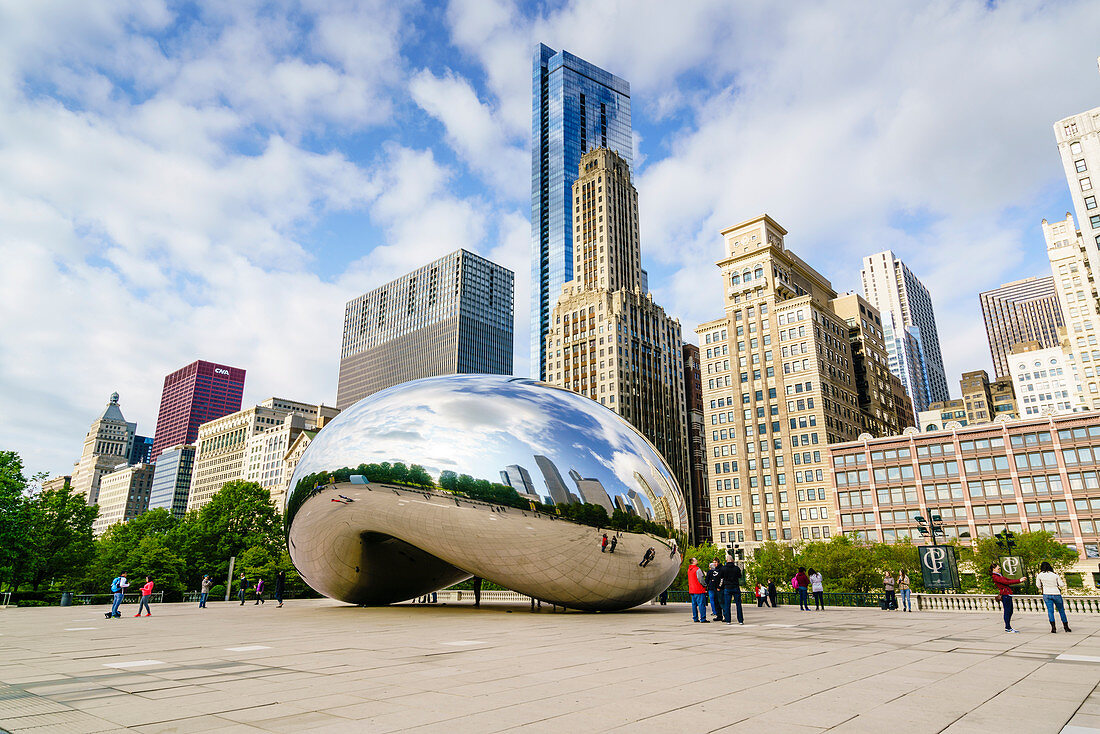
(614, 542)
(603, 543)
(650, 554)
(477, 592)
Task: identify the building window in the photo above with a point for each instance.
(1079, 164)
(1075, 147)
(1086, 184)
(1090, 202)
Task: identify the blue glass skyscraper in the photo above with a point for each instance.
(577, 107)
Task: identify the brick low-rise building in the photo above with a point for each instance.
(1023, 475)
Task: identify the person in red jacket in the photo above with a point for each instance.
(1004, 590)
(698, 591)
(146, 592)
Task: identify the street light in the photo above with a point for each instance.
(1005, 540)
(930, 527)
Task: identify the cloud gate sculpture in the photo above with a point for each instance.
(431, 482)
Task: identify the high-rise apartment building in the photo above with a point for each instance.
(452, 316)
(265, 452)
(1078, 140)
(222, 454)
(903, 404)
(191, 396)
(1077, 295)
(576, 107)
(1044, 380)
(870, 364)
(107, 444)
(982, 401)
(778, 386)
(123, 495)
(696, 492)
(172, 480)
(1021, 311)
(909, 327)
(607, 338)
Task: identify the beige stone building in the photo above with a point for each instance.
(266, 451)
(106, 445)
(123, 495)
(607, 338)
(223, 443)
(778, 387)
(870, 364)
(1077, 295)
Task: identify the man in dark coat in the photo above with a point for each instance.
(729, 585)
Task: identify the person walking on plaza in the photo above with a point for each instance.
(1050, 586)
(761, 595)
(603, 544)
(818, 589)
(260, 590)
(1004, 590)
(477, 592)
(280, 587)
(888, 587)
(903, 587)
(773, 595)
(648, 556)
(146, 592)
(803, 589)
(243, 589)
(729, 584)
(715, 596)
(118, 589)
(614, 542)
(698, 590)
(204, 590)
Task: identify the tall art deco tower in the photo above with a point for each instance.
(606, 338)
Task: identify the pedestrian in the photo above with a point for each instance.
(146, 592)
(803, 589)
(118, 589)
(477, 592)
(260, 590)
(729, 582)
(715, 596)
(903, 587)
(818, 589)
(280, 587)
(603, 544)
(1050, 586)
(773, 595)
(888, 586)
(663, 598)
(1004, 591)
(243, 589)
(614, 542)
(697, 587)
(649, 555)
(761, 594)
(205, 587)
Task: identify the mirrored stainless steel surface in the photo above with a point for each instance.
(427, 483)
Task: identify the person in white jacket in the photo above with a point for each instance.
(1050, 586)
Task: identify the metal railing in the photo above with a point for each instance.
(783, 598)
(158, 598)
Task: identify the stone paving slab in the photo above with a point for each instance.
(320, 666)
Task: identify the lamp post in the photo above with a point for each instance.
(1005, 540)
(930, 527)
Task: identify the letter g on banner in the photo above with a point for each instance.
(934, 559)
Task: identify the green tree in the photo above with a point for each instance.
(14, 527)
(154, 558)
(704, 553)
(774, 561)
(1033, 548)
(117, 550)
(61, 542)
(845, 564)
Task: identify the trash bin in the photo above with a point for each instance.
(66, 598)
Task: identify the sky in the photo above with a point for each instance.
(184, 181)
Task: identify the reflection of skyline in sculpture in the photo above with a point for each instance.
(592, 491)
(519, 479)
(555, 485)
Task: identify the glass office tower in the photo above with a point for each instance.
(576, 107)
(172, 480)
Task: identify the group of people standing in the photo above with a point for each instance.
(721, 584)
(258, 589)
(1050, 586)
(119, 584)
(893, 586)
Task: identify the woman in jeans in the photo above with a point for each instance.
(888, 587)
(1004, 590)
(818, 588)
(903, 587)
(803, 589)
(1050, 586)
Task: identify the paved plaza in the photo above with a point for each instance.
(319, 666)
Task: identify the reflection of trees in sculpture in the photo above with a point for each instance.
(482, 490)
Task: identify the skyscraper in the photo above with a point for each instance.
(870, 364)
(123, 495)
(1021, 311)
(172, 480)
(191, 396)
(576, 107)
(607, 338)
(107, 444)
(451, 316)
(696, 492)
(912, 343)
(778, 386)
(1076, 287)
